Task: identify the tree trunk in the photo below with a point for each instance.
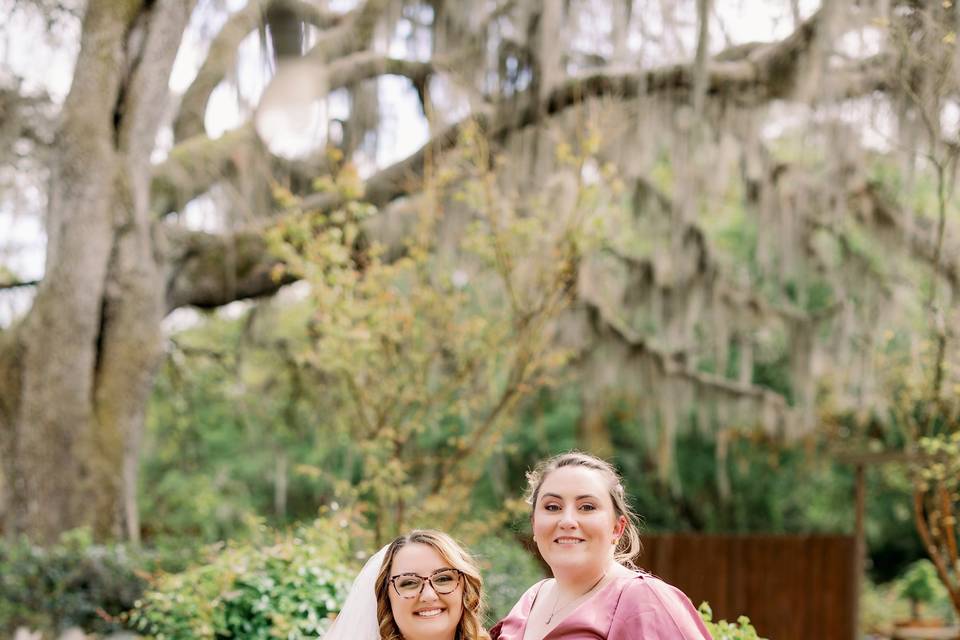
(280, 481)
(92, 339)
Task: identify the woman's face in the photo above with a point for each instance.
(574, 521)
(427, 615)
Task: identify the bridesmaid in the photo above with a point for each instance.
(588, 536)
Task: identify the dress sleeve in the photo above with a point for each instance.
(654, 610)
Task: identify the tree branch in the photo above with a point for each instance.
(746, 75)
(727, 74)
(882, 213)
(761, 74)
(195, 165)
(145, 99)
(198, 163)
(673, 365)
(17, 284)
(351, 35)
(208, 270)
(24, 116)
(367, 64)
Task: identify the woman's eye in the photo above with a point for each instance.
(408, 584)
(588, 507)
(552, 507)
(443, 579)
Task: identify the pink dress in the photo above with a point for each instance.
(641, 607)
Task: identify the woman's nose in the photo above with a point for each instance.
(427, 594)
(568, 518)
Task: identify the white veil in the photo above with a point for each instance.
(358, 617)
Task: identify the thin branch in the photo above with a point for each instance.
(699, 69)
(920, 519)
(368, 64)
(221, 56)
(948, 522)
(17, 284)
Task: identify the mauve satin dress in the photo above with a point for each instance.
(641, 607)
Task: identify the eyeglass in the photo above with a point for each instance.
(410, 585)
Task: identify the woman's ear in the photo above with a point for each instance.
(620, 527)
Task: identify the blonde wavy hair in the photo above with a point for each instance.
(454, 555)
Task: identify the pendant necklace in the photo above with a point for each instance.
(577, 599)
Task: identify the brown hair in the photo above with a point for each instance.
(629, 545)
(458, 558)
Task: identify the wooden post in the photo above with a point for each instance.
(860, 542)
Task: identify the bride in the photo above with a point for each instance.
(421, 586)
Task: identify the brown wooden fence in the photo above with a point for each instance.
(791, 587)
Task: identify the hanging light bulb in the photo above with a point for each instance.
(292, 117)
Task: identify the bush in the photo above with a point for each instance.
(73, 583)
(724, 630)
(287, 588)
(920, 585)
(885, 606)
(508, 570)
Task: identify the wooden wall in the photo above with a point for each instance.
(792, 587)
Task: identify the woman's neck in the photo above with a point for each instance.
(578, 581)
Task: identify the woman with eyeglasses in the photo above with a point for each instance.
(587, 534)
(421, 586)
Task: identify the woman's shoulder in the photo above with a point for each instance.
(662, 605)
(644, 587)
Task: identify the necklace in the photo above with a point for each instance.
(577, 599)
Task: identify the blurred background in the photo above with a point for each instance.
(281, 279)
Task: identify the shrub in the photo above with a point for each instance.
(287, 588)
(508, 570)
(920, 585)
(724, 630)
(73, 583)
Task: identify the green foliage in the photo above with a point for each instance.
(884, 605)
(508, 570)
(936, 500)
(723, 630)
(920, 583)
(762, 475)
(7, 276)
(285, 587)
(425, 359)
(72, 583)
(232, 415)
(944, 462)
